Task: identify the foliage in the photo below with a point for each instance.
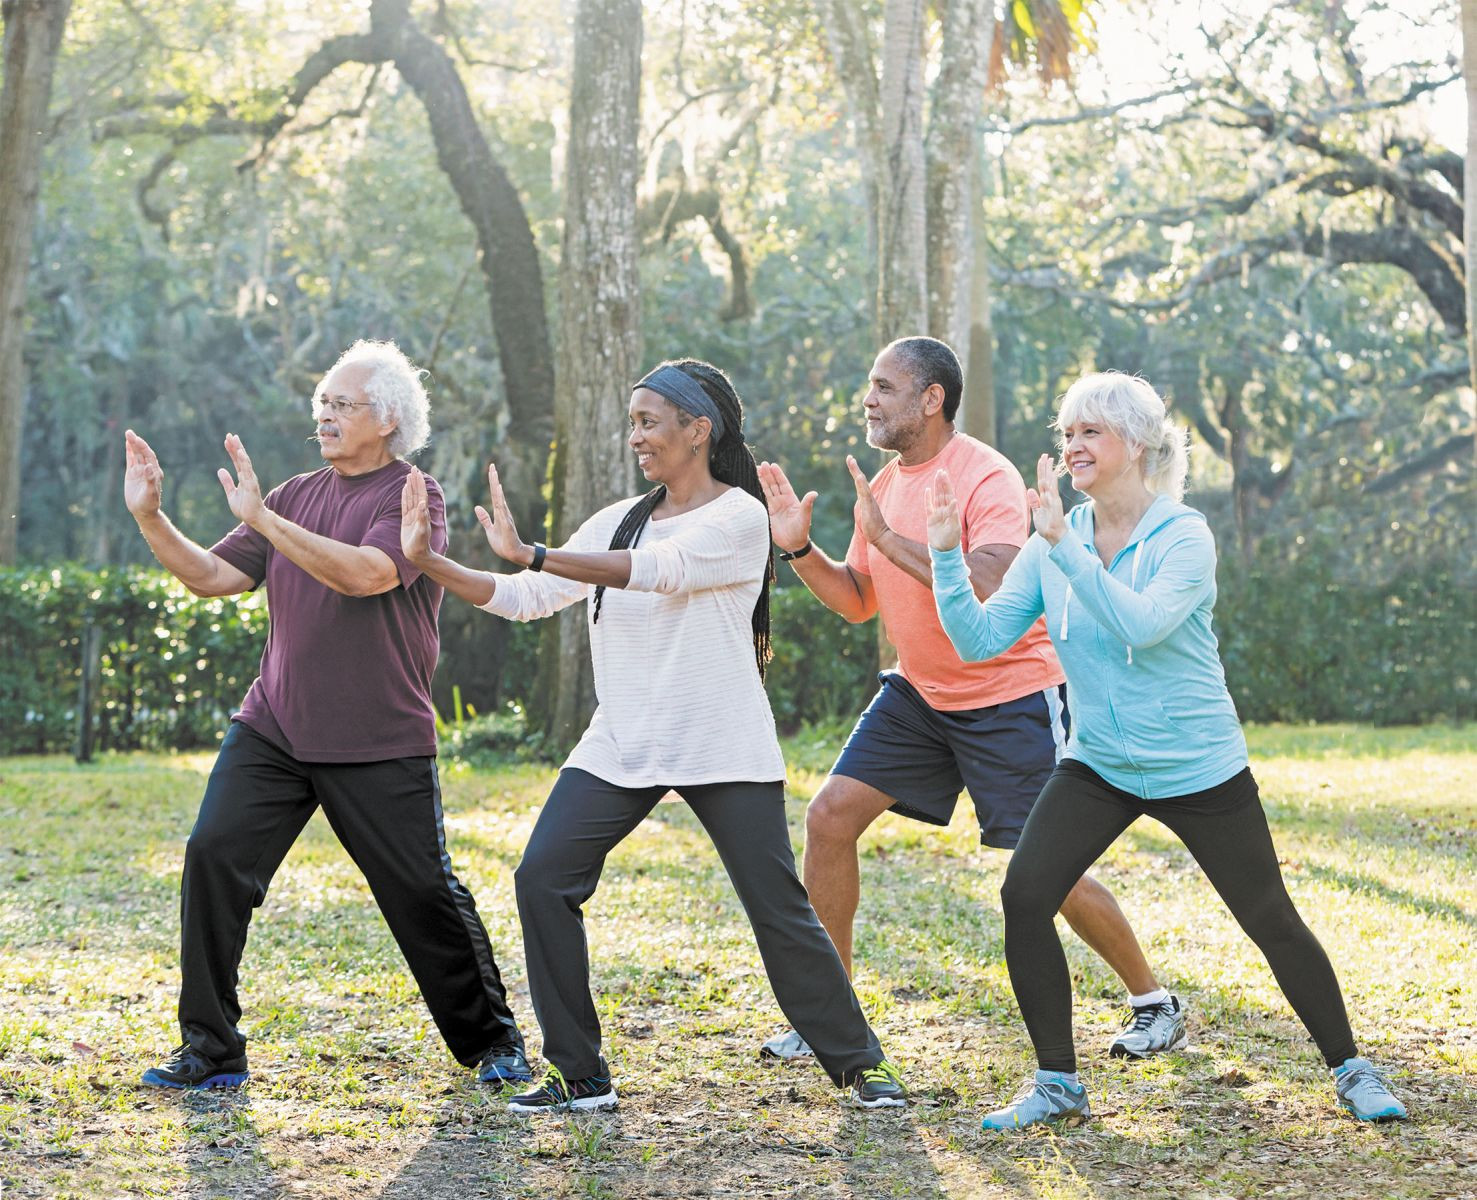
(188, 285)
(353, 1094)
(172, 667)
(1299, 645)
(823, 668)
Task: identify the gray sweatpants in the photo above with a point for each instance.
(584, 818)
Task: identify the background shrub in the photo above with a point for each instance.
(1297, 645)
(171, 667)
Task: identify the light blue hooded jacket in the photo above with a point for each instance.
(1148, 700)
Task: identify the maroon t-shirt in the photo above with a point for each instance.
(343, 678)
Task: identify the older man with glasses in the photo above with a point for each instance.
(340, 717)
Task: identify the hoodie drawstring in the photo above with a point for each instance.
(1133, 583)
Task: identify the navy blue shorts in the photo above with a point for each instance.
(923, 758)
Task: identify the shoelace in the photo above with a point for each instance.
(1144, 1017)
(1028, 1089)
(1359, 1076)
(554, 1083)
(883, 1072)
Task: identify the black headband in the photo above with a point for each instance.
(686, 393)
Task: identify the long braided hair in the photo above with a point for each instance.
(731, 462)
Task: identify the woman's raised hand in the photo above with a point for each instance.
(415, 518)
(789, 515)
(502, 534)
(1046, 502)
(943, 513)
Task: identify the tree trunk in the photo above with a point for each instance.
(33, 37)
(599, 316)
(978, 417)
(953, 170)
(507, 252)
(851, 50)
(902, 223)
(1469, 179)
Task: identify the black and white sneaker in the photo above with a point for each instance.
(1153, 1029)
(879, 1087)
(187, 1068)
(557, 1094)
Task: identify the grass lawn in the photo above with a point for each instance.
(353, 1095)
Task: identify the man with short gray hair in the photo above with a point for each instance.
(938, 725)
(340, 717)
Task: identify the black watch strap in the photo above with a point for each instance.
(792, 555)
(539, 550)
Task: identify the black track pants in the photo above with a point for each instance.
(1079, 815)
(388, 817)
(584, 819)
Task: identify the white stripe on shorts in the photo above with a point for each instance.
(1053, 698)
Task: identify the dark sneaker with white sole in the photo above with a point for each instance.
(879, 1087)
(187, 1068)
(1153, 1029)
(557, 1094)
(504, 1064)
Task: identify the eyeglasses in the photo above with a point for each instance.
(341, 408)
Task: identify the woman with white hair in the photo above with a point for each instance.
(1127, 585)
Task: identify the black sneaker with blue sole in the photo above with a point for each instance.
(188, 1069)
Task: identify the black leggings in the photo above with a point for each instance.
(1079, 815)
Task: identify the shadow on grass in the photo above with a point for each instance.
(1367, 885)
(645, 1155)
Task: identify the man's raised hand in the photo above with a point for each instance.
(502, 534)
(1046, 502)
(143, 480)
(244, 493)
(943, 512)
(868, 513)
(415, 518)
(789, 516)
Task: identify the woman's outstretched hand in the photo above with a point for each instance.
(1046, 502)
(502, 534)
(943, 513)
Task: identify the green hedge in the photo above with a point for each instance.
(1297, 647)
(823, 668)
(172, 667)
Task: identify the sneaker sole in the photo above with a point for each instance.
(1117, 1050)
(583, 1104)
(766, 1052)
(1068, 1121)
(497, 1078)
(226, 1079)
(1378, 1118)
(890, 1102)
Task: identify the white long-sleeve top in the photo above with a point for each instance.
(679, 696)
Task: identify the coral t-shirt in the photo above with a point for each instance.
(992, 505)
(344, 679)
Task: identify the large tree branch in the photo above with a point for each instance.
(1455, 448)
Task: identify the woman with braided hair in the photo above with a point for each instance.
(678, 587)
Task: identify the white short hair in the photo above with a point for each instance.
(1135, 412)
(394, 386)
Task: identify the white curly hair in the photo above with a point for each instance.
(1135, 412)
(395, 387)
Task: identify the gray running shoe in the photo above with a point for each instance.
(786, 1045)
(1153, 1029)
(1046, 1097)
(1364, 1091)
